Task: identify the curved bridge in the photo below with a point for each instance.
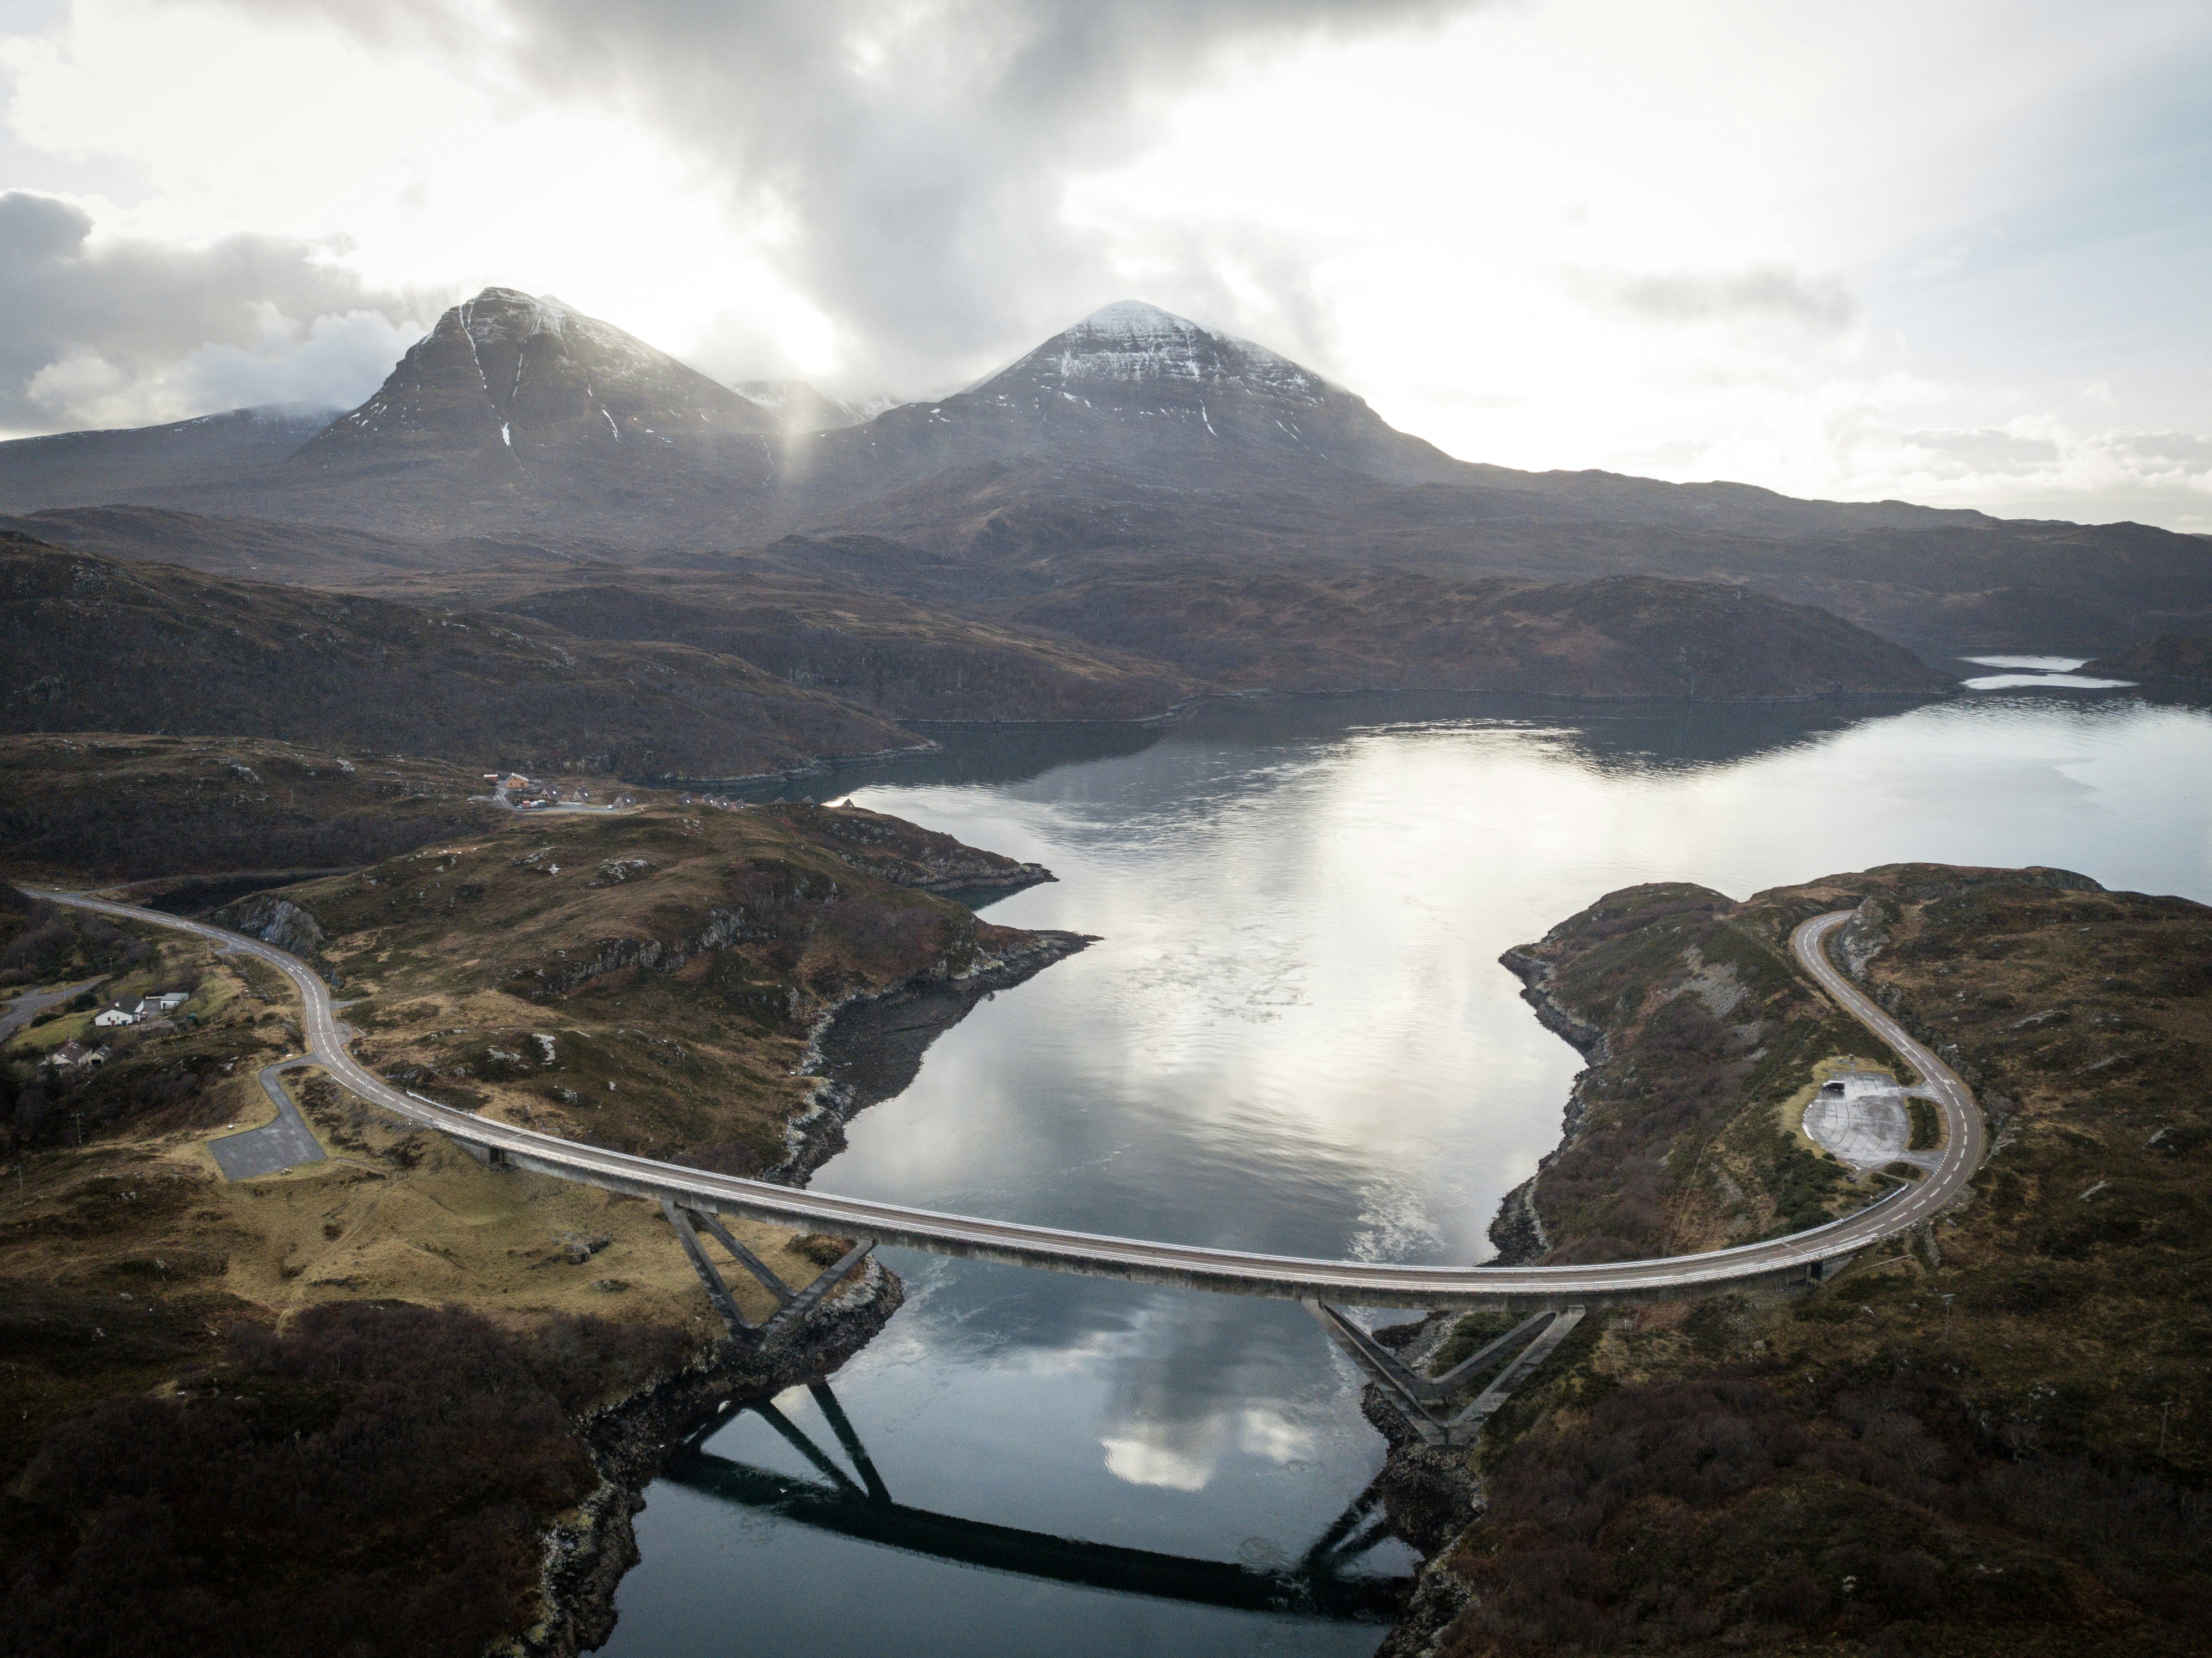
(689, 1194)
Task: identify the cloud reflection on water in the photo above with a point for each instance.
(1294, 1036)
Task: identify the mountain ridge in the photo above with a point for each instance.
(1132, 433)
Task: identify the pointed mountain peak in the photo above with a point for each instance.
(1138, 319)
(1131, 343)
(509, 378)
(1163, 398)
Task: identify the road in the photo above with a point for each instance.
(1354, 1283)
(28, 1006)
(1964, 1136)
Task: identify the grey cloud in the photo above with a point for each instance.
(917, 153)
(1988, 449)
(117, 332)
(1759, 295)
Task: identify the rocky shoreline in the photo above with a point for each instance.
(867, 1048)
(588, 1549)
(1518, 1231)
(1439, 1495)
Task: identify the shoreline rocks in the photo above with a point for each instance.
(589, 1549)
(867, 1048)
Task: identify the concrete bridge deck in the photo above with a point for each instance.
(1353, 1283)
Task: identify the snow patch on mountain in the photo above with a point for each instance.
(1130, 342)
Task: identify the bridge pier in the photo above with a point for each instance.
(1422, 1400)
(792, 1305)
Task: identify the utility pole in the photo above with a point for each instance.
(1946, 1301)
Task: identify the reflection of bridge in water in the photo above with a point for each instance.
(858, 1504)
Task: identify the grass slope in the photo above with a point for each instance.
(1855, 1471)
(94, 644)
(336, 1408)
(103, 806)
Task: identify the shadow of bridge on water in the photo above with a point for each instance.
(1318, 1584)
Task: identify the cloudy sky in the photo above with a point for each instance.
(1954, 251)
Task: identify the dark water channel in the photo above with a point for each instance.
(1293, 1036)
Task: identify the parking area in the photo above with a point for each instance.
(285, 1143)
(1866, 1121)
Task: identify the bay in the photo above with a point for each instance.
(1293, 1034)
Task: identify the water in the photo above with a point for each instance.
(1293, 1035)
(2055, 673)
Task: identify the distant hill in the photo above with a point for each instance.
(1132, 433)
(886, 653)
(903, 660)
(248, 549)
(85, 469)
(2172, 665)
(1940, 582)
(93, 643)
(1624, 636)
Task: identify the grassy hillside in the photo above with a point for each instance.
(2172, 665)
(682, 956)
(1991, 1437)
(336, 1408)
(94, 644)
(900, 658)
(103, 806)
(1309, 629)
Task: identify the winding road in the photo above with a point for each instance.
(1353, 1283)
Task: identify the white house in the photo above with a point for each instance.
(114, 1016)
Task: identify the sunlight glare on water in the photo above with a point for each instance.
(1293, 1035)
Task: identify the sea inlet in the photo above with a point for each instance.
(1293, 1035)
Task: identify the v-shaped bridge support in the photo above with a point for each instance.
(792, 1305)
(1424, 1401)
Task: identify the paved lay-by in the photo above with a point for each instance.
(1228, 1271)
(285, 1143)
(1864, 1118)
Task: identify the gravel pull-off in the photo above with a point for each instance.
(1868, 1125)
(285, 1143)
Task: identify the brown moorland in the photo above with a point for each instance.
(109, 805)
(95, 644)
(1991, 1437)
(338, 1406)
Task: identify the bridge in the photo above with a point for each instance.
(694, 1200)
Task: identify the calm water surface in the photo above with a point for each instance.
(1293, 1035)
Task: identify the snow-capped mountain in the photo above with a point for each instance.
(1143, 391)
(510, 380)
(1140, 363)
